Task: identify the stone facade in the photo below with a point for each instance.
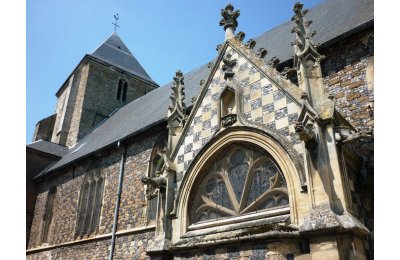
(244, 101)
(89, 96)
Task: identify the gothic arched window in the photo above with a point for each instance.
(48, 215)
(90, 203)
(240, 181)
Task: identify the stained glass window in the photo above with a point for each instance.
(244, 179)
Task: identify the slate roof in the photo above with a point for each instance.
(48, 147)
(331, 19)
(115, 52)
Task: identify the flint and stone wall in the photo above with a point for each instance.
(133, 236)
(349, 75)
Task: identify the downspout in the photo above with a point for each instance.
(121, 174)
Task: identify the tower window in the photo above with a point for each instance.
(119, 89)
(124, 91)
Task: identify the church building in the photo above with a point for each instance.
(266, 152)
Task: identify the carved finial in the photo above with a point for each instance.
(219, 47)
(229, 20)
(273, 62)
(229, 17)
(250, 44)
(179, 89)
(261, 53)
(210, 65)
(194, 100)
(178, 108)
(240, 36)
(287, 72)
(303, 44)
(202, 82)
(228, 66)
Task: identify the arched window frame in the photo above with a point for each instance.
(48, 215)
(234, 135)
(229, 187)
(119, 89)
(90, 203)
(228, 108)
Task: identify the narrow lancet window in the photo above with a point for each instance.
(48, 215)
(119, 89)
(124, 91)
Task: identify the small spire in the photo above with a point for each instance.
(303, 45)
(229, 20)
(116, 17)
(178, 94)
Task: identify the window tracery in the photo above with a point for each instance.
(48, 215)
(90, 203)
(241, 181)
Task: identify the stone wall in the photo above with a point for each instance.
(100, 96)
(132, 246)
(349, 75)
(88, 97)
(62, 240)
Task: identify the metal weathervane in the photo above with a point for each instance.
(116, 17)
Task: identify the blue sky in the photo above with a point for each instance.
(163, 35)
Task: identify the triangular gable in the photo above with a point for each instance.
(268, 102)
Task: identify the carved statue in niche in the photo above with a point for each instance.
(162, 183)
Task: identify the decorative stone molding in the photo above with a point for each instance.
(261, 53)
(229, 17)
(240, 36)
(307, 64)
(250, 44)
(177, 112)
(344, 134)
(287, 72)
(273, 62)
(271, 146)
(305, 123)
(219, 47)
(324, 219)
(228, 65)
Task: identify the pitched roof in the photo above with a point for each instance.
(48, 147)
(331, 19)
(115, 52)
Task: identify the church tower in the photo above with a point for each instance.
(101, 83)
